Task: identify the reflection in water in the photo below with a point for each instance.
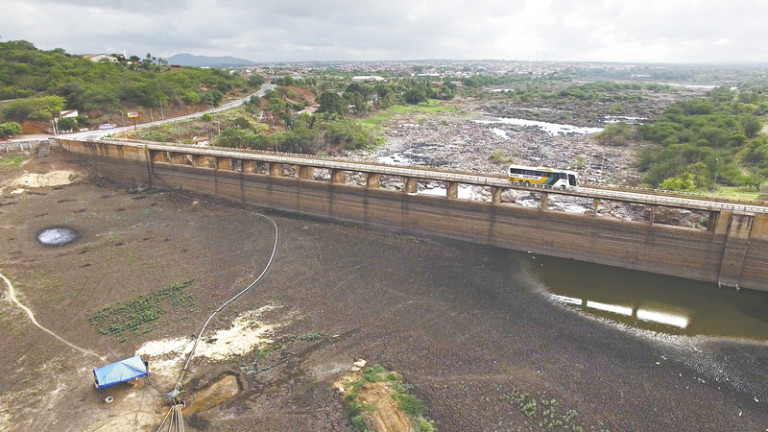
(665, 318)
(654, 302)
(621, 310)
(566, 299)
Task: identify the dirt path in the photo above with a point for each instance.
(31, 315)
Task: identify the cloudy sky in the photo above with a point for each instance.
(699, 31)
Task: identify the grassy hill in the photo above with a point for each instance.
(31, 78)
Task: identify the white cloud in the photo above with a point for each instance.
(290, 30)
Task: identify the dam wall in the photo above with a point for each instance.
(733, 251)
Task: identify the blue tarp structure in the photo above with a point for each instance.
(119, 372)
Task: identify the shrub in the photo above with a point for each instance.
(410, 404)
(9, 128)
(682, 183)
(500, 156)
(36, 108)
(617, 134)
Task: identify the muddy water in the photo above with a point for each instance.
(653, 302)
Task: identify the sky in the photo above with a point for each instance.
(640, 31)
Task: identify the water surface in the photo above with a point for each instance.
(57, 236)
(655, 302)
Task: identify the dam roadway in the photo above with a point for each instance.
(731, 251)
(690, 201)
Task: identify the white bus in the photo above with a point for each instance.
(541, 176)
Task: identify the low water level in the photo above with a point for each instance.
(57, 236)
(654, 302)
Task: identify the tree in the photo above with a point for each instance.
(191, 97)
(754, 180)
(751, 125)
(233, 137)
(67, 124)
(146, 63)
(331, 102)
(241, 123)
(384, 93)
(256, 80)
(287, 80)
(358, 95)
(415, 96)
(213, 97)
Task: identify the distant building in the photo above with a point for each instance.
(375, 78)
(100, 57)
(68, 114)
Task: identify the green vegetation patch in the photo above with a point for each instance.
(431, 107)
(741, 193)
(541, 413)
(707, 141)
(356, 410)
(12, 161)
(135, 315)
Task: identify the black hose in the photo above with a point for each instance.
(176, 390)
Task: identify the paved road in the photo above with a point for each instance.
(98, 134)
(643, 196)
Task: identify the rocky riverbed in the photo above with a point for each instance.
(483, 135)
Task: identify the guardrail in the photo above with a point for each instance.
(662, 192)
(689, 201)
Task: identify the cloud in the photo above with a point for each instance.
(297, 30)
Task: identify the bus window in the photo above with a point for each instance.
(571, 179)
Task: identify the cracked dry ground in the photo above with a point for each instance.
(465, 325)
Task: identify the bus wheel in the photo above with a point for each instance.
(563, 187)
(528, 184)
(520, 182)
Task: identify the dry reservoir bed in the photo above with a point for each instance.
(466, 326)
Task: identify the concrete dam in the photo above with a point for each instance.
(732, 251)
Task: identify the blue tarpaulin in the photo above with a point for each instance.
(119, 372)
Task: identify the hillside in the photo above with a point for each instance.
(38, 84)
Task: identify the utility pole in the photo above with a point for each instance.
(714, 183)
